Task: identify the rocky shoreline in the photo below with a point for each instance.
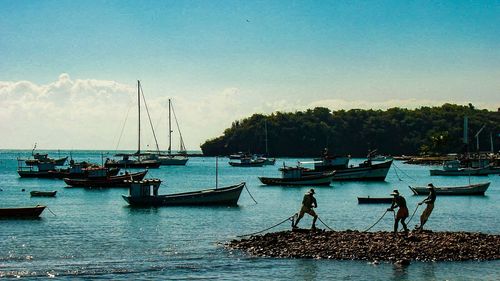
(373, 246)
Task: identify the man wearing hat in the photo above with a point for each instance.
(430, 205)
(402, 214)
(308, 203)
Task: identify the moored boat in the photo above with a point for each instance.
(36, 193)
(22, 212)
(248, 162)
(296, 176)
(375, 200)
(365, 171)
(471, 189)
(453, 168)
(145, 193)
(111, 181)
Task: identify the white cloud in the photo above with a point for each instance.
(89, 114)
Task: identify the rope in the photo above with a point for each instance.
(51, 212)
(376, 222)
(396, 171)
(283, 221)
(402, 171)
(325, 224)
(250, 194)
(418, 205)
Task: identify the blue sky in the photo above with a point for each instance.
(269, 55)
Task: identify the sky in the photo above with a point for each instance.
(69, 69)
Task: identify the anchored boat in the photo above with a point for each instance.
(22, 212)
(110, 181)
(375, 200)
(471, 189)
(297, 176)
(145, 193)
(36, 193)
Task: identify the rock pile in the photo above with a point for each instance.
(373, 246)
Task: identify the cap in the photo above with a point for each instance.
(395, 192)
(311, 191)
(430, 185)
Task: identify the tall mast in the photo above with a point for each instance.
(139, 110)
(169, 127)
(265, 126)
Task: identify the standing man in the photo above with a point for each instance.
(399, 202)
(430, 206)
(308, 203)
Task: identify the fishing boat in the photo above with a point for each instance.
(453, 168)
(365, 171)
(471, 189)
(170, 159)
(111, 181)
(80, 171)
(375, 200)
(140, 159)
(36, 193)
(39, 170)
(248, 162)
(297, 176)
(145, 193)
(22, 212)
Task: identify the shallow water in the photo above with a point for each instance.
(94, 234)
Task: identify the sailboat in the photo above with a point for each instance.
(267, 161)
(141, 160)
(170, 159)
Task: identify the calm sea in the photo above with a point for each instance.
(94, 234)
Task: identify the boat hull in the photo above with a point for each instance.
(114, 181)
(473, 189)
(133, 164)
(172, 161)
(318, 179)
(35, 193)
(23, 212)
(461, 172)
(251, 164)
(225, 196)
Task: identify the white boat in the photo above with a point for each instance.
(452, 168)
(297, 176)
(471, 189)
(169, 159)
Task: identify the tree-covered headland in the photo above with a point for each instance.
(396, 131)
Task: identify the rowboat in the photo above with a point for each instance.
(22, 212)
(452, 168)
(111, 181)
(36, 193)
(471, 189)
(374, 200)
(145, 193)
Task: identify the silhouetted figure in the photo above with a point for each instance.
(399, 202)
(431, 198)
(308, 203)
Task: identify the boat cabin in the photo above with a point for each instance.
(144, 188)
(453, 165)
(331, 163)
(291, 172)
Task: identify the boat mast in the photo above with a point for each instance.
(169, 127)
(265, 126)
(139, 110)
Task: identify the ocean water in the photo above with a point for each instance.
(94, 234)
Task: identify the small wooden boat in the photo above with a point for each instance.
(126, 162)
(36, 193)
(296, 176)
(471, 189)
(374, 200)
(145, 193)
(111, 181)
(22, 212)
